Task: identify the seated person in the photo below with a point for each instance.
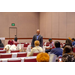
(57, 51)
(68, 55)
(10, 42)
(1, 44)
(28, 48)
(8, 48)
(73, 42)
(51, 46)
(15, 40)
(68, 42)
(36, 49)
(43, 57)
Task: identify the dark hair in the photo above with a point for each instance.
(68, 42)
(73, 39)
(50, 39)
(67, 49)
(57, 44)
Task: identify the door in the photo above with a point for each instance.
(12, 32)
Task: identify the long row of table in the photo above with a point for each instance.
(20, 58)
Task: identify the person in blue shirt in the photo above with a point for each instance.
(57, 51)
(73, 41)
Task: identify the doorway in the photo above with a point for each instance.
(12, 32)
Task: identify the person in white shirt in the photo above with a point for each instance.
(8, 48)
(51, 46)
(36, 49)
(29, 48)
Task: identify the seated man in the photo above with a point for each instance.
(57, 51)
(1, 44)
(51, 46)
(73, 41)
(36, 49)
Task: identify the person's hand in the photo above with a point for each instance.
(31, 47)
(21, 50)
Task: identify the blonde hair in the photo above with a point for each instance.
(43, 57)
(37, 43)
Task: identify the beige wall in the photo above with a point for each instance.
(26, 23)
(57, 24)
(51, 24)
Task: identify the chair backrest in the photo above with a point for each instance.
(16, 44)
(0, 60)
(2, 51)
(73, 49)
(15, 51)
(17, 60)
(53, 58)
(21, 54)
(35, 54)
(30, 60)
(1, 48)
(5, 55)
(26, 45)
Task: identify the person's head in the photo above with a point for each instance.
(15, 35)
(73, 39)
(37, 43)
(67, 49)
(38, 31)
(68, 42)
(57, 44)
(68, 58)
(50, 40)
(43, 57)
(10, 39)
(0, 41)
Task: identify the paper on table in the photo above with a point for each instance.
(4, 60)
(14, 55)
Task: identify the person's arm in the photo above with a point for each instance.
(31, 53)
(48, 48)
(72, 43)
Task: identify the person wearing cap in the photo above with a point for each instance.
(51, 46)
(37, 37)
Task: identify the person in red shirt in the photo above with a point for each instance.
(10, 42)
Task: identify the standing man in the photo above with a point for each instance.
(37, 37)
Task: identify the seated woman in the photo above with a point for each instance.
(1, 44)
(43, 57)
(8, 48)
(68, 42)
(36, 49)
(10, 42)
(68, 55)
